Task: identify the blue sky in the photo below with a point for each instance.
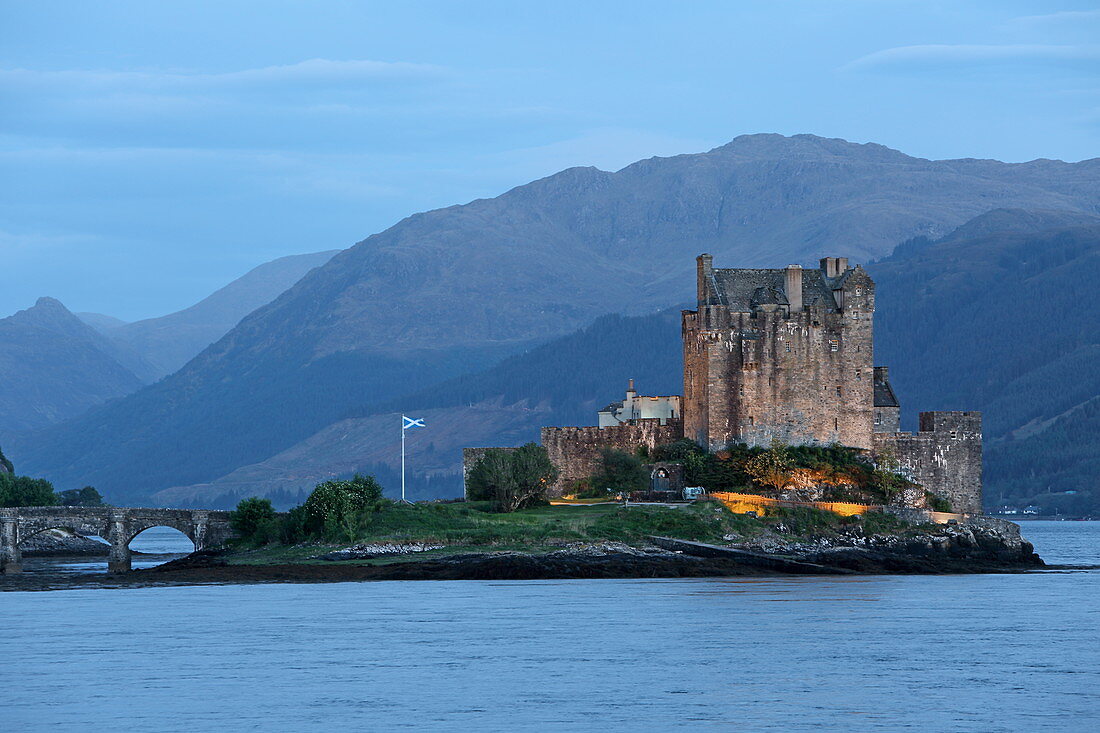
(152, 151)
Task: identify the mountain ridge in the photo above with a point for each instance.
(453, 290)
(55, 366)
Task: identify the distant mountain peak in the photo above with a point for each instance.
(1021, 221)
(50, 313)
(47, 302)
(770, 144)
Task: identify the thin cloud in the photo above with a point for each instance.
(964, 54)
(310, 73)
(1047, 19)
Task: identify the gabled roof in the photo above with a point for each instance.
(741, 289)
(884, 395)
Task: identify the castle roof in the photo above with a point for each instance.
(741, 289)
(884, 394)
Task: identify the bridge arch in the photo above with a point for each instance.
(79, 527)
(116, 525)
(187, 530)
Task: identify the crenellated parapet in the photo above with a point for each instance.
(577, 452)
(944, 457)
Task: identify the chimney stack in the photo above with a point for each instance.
(834, 266)
(705, 271)
(630, 389)
(793, 287)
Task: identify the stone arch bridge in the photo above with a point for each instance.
(117, 525)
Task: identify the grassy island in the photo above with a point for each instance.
(464, 527)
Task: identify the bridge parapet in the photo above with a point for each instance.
(118, 525)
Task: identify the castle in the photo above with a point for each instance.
(785, 354)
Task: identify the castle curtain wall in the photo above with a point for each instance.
(945, 456)
(578, 452)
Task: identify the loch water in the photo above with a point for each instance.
(1014, 652)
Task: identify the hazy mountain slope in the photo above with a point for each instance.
(997, 320)
(100, 322)
(504, 405)
(54, 366)
(171, 341)
(967, 323)
(450, 290)
(1006, 322)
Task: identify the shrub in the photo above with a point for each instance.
(772, 467)
(620, 472)
(332, 507)
(512, 479)
(251, 514)
(938, 503)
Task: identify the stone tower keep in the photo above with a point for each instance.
(780, 353)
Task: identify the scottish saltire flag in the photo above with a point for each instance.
(409, 422)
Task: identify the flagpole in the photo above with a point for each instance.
(402, 459)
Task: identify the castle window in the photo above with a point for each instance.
(740, 391)
(834, 344)
(878, 417)
(859, 291)
(836, 423)
(752, 420)
(788, 346)
(859, 374)
(839, 391)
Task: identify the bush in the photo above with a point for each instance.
(512, 479)
(938, 503)
(331, 509)
(772, 467)
(25, 491)
(620, 473)
(720, 471)
(250, 515)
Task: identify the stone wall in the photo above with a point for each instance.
(945, 456)
(577, 452)
(802, 375)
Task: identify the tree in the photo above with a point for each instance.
(25, 491)
(335, 504)
(492, 471)
(5, 465)
(512, 479)
(250, 515)
(621, 473)
(772, 467)
(88, 496)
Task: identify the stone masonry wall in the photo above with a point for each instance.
(577, 452)
(945, 456)
(806, 377)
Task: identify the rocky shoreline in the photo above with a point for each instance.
(982, 545)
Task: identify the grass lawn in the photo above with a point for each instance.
(472, 527)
